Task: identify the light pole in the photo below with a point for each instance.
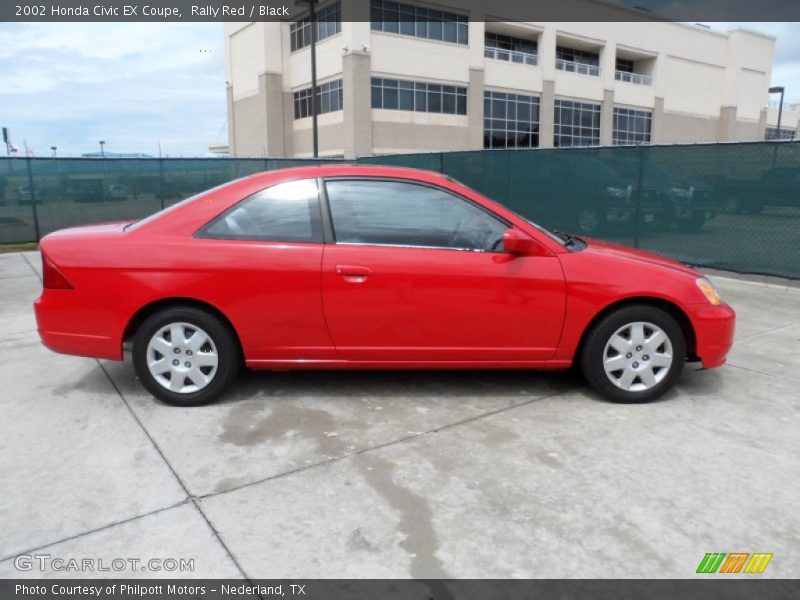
(314, 130)
(54, 148)
(778, 89)
(102, 150)
(312, 17)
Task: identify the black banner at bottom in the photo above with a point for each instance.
(714, 587)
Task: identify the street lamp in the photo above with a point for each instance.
(54, 148)
(102, 150)
(778, 89)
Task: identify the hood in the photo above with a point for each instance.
(618, 250)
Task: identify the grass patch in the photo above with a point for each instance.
(6, 248)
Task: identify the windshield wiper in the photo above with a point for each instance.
(569, 239)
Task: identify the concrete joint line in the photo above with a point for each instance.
(384, 445)
(189, 496)
(770, 330)
(95, 530)
(774, 375)
(35, 272)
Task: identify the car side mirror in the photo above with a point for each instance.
(519, 243)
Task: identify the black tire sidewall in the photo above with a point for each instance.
(225, 341)
(594, 347)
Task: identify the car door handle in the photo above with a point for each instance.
(353, 273)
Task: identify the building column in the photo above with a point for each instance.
(231, 120)
(475, 109)
(271, 86)
(357, 118)
(762, 125)
(727, 124)
(547, 114)
(288, 123)
(657, 123)
(607, 119)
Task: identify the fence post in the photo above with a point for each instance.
(161, 181)
(33, 199)
(441, 163)
(637, 208)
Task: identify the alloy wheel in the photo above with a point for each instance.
(638, 356)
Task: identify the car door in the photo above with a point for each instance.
(417, 273)
(262, 259)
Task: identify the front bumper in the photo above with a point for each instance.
(714, 327)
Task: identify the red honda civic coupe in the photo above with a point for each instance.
(364, 267)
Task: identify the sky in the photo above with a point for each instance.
(138, 85)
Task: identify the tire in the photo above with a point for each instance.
(208, 364)
(598, 348)
(694, 222)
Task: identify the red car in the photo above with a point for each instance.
(363, 267)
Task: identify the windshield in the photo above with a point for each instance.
(553, 236)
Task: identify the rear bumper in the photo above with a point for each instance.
(714, 327)
(69, 326)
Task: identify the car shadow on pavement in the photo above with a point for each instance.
(399, 384)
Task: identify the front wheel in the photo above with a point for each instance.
(185, 356)
(635, 354)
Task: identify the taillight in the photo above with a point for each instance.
(52, 279)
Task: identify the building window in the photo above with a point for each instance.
(512, 49)
(510, 120)
(783, 134)
(624, 65)
(329, 99)
(396, 94)
(329, 22)
(417, 21)
(577, 61)
(576, 124)
(631, 126)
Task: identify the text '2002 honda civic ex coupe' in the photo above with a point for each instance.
(364, 267)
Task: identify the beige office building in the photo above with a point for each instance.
(422, 77)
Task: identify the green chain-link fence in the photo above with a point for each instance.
(728, 206)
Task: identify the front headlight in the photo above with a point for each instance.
(709, 291)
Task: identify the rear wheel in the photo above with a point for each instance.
(185, 356)
(635, 354)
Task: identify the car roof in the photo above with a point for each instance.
(346, 169)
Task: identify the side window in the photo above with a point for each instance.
(287, 212)
(408, 214)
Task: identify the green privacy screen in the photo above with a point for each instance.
(728, 206)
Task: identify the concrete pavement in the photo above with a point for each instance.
(504, 474)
